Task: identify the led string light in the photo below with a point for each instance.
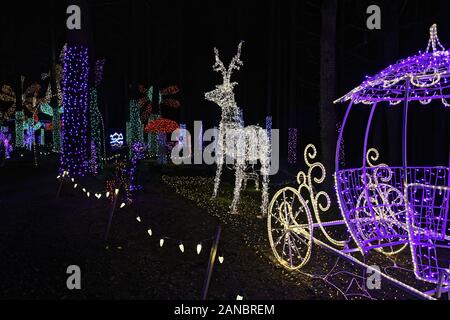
(5, 141)
(91, 194)
(152, 138)
(74, 157)
(182, 245)
(379, 203)
(292, 145)
(428, 73)
(135, 128)
(244, 145)
(20, 129)
(29, 99)
(97, 129)
(58, 95)
(137, 154)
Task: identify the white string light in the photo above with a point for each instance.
(242, 144)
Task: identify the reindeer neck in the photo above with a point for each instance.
(231, 116)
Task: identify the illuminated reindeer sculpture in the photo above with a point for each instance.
(244, 146)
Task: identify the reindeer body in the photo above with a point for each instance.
(245, 145)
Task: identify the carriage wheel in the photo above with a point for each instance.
(290, 228)
(384, 198)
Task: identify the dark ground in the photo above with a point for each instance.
(40, 236)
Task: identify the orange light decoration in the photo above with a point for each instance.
(172, 103)
(162, 125)
(170, 91)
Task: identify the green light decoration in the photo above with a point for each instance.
(153, 139)
(150, 93)
(20, 117)
(97, 128)
(135, 128)
(42, 141)
(56, 121)
(47, 109)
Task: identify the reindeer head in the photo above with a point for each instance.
(223, 95)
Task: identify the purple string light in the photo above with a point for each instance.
(74, 157)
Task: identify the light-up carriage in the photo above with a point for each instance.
(384, 208)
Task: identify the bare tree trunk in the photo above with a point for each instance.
(54, 88)
(328, 83)
(393, 116)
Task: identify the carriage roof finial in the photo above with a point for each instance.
(434, 42)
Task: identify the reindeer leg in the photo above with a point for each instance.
(265, 196)
(265, 171)
(237, 189)
(219, 160)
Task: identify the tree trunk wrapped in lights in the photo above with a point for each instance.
(97, 128)
(74, 157)
(135, 128)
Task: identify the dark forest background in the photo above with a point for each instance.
(299, 56)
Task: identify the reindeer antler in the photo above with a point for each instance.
(218, 66)
(235, 64)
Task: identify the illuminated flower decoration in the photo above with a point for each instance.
(145, 102)
(49, 127)
(7, 95)
(48, 110)
(161, 126)
(29, 99)
(166, 97)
